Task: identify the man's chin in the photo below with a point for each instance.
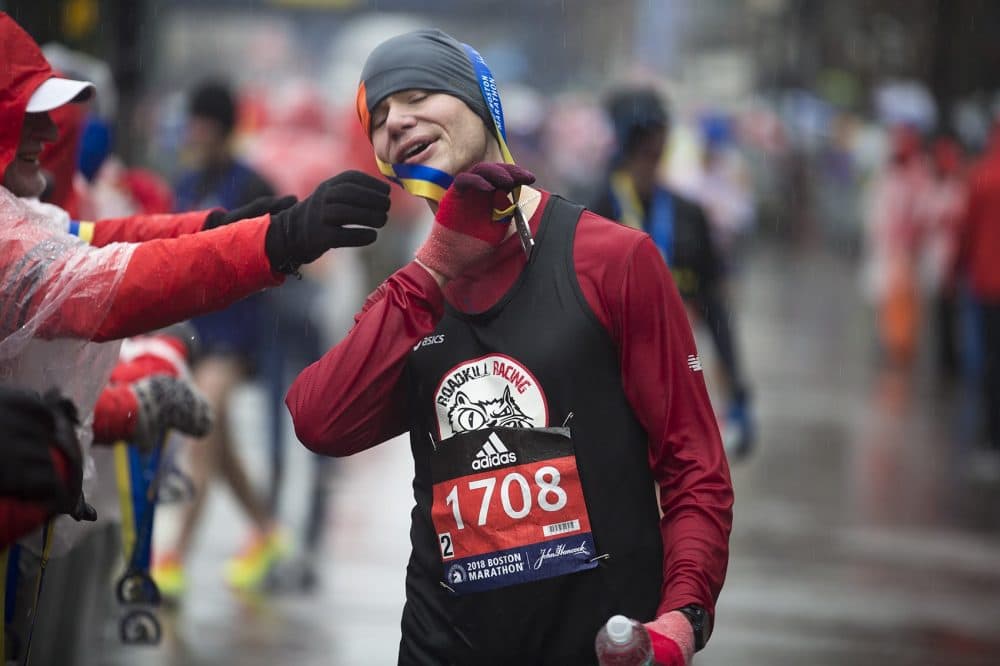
(27, 185)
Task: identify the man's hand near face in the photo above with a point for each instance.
(464, 232)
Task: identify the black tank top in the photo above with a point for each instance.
(530, 361)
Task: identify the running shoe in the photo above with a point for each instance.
(168, 574)
(249, 569)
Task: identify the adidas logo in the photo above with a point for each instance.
(694, 363)
(493, 453)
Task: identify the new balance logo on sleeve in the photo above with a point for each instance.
(493, 453)
(694, 363)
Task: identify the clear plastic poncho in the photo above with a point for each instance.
(55, 291)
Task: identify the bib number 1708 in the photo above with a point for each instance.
(516, 496)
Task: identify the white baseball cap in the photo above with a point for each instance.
(55, 92)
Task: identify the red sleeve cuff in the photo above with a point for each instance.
(426, 284)
(665, 650)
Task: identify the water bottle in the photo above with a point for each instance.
(623, 642)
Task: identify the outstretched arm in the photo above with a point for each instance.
(57, 289)
(139, 228)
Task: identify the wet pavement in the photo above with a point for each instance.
(863, 535)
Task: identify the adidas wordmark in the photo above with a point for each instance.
(493, 453)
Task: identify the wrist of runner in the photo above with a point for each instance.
(673, 639)
(440, 278)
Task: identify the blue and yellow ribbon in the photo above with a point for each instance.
(83, 230)
(488, 88)
(658, 222)
(630, 209)
(123, 477)
(417, 179)
(136, 474)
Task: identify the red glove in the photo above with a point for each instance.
(672, 638)
(464, 232)
(150, 391)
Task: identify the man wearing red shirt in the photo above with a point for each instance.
(979, 246)
(550, 400)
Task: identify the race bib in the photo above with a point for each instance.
(508, 508)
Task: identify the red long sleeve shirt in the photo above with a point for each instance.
(352, 398)
(174, 274)
(140, 228)
(980, 228)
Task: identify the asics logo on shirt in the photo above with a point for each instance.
(429, 340)
(493, 453)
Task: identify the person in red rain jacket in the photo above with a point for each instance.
(979, 247)
(526, 536)
(59, 296)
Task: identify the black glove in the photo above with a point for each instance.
(31, 425)
(305, 231)
(256, 208)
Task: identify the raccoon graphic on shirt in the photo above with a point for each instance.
(494, 391)
(504, 412)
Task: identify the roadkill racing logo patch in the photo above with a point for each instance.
(492, 391)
